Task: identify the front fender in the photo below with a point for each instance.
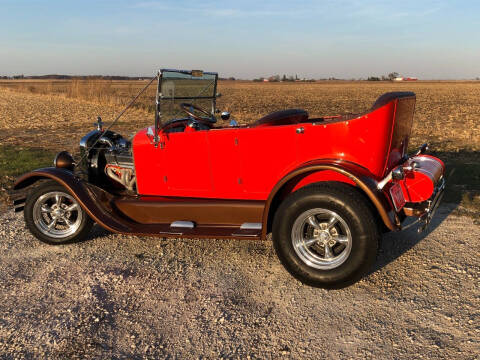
(60, 175)
(92, 199)
(354, 172)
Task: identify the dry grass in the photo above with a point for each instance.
(100, 91)
(55, 114)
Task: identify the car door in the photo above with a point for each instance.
(225, 162)
(150, 164)
(187, 158)
(267, 154)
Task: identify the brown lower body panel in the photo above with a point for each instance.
(101, 207)
(161, 210)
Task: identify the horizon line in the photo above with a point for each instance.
(232, 78)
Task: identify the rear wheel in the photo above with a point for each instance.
(326, 235)
(54, 216)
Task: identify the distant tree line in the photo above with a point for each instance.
(74, 77)
(85, 77)
(390, 77)
(284, 78)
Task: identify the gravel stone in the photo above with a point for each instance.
(116, 296)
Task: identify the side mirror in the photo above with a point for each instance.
(150, 134)
(225, 115)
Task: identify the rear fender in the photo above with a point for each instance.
(93, 200)
(330, 170)
(318, 176)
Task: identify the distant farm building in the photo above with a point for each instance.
(405, 79)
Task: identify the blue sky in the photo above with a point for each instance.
(431, 39)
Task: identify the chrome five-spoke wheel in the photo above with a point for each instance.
(57, 214)
(321, 239)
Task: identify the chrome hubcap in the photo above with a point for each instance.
(57, 214)
(321, 239)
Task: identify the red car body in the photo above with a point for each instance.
(246, 162)
(190, 178)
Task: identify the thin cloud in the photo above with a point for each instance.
(374, 10)
(381, 10)
(218, 11)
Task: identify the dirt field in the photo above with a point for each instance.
(128, 297)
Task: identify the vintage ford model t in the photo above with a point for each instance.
(324, 187)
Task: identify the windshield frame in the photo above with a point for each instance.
(159, 96)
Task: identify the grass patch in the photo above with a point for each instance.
(463, 179)
(17, 161)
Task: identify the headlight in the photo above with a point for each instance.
(64, 160)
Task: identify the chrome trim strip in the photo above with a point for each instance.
(183, 224)
(251, 226)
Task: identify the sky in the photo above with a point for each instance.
(428, 39)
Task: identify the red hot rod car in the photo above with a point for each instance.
(324, 187)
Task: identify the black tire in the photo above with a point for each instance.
(356, 213)
(36, 222)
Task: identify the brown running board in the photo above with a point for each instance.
(220, 232)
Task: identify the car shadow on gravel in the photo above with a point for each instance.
(96, 232)
(394, 245)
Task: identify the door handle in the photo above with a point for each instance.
(300, 130)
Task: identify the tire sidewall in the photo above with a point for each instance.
(362, 229)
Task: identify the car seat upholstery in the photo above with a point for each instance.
(283, 117)
(386, 98)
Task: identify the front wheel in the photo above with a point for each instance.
(54, 216)
(326, 235)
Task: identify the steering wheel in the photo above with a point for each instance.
(187, 108)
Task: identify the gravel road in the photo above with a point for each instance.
(119, 296)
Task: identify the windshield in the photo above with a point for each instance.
(184, 85)
(180, 86)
